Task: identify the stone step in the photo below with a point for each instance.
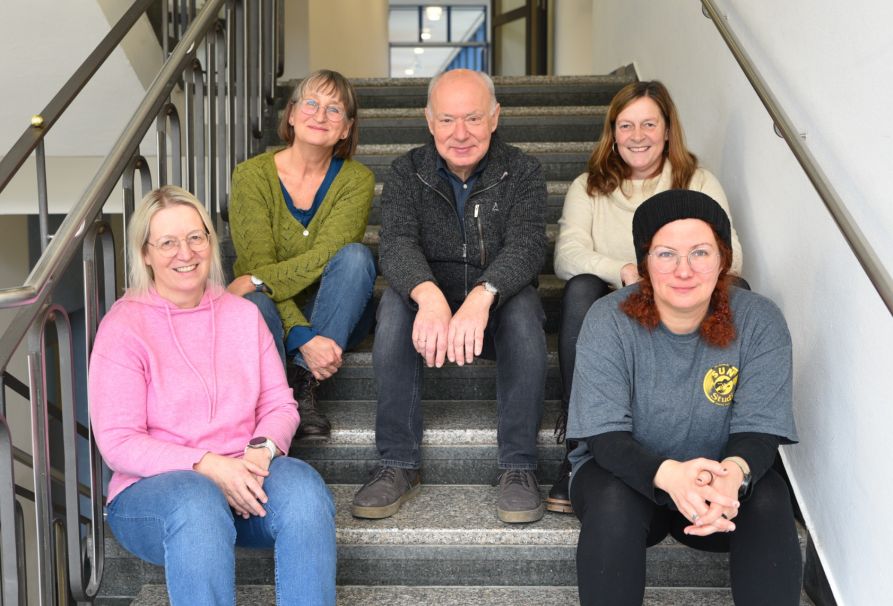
(556, 191)
(561, 161)
(515, 124)
(477, 381)
(511, 91)
(458, 444)
(403, 595)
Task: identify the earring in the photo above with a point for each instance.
(614, 147)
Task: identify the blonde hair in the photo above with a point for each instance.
(140, 274)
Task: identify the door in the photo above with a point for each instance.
(520, 37)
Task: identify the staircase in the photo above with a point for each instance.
(447, 546)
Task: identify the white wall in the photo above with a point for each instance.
(572, 35)
(828, 62)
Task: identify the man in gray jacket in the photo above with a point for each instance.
(462, 241)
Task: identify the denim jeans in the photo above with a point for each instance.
(514, 337)
(341, 308)
(181, 520)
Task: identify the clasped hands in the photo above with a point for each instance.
(439, 334)
(240, 480)
(705, 492)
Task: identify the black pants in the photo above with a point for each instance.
(580, 293)
(618, 524)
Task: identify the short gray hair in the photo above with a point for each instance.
(485, 78)
(140, 274)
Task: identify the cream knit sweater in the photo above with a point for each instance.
(595, 232)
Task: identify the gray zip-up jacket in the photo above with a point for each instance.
(504, 240)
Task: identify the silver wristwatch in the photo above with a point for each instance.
(262, 442)
(258, 284)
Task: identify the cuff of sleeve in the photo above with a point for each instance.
(297, 336)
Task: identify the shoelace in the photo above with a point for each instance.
(383, 473)
(515, 476)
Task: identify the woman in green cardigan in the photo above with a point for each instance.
(297, 217)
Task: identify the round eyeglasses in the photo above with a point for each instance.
(309, 107)
(168, 246)
(701, 260)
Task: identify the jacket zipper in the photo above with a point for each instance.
(462, 227)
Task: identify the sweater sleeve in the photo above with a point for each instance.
(524, 245)
(632, 463)
(118, 388)
(341, 220)
(575, 252)
(401, 256)
(710, 185)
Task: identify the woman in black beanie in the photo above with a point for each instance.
(641, 152)
(682, 395)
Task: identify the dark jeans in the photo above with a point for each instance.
(618, 524)
(514, 337)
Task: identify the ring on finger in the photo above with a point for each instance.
(694, 517)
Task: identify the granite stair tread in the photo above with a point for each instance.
(452, 422)
(556, 188)
(504, 112)
(446, 595)
(530, 147)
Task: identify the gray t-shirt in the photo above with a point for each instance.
(680, 397)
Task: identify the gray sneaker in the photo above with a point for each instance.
(519, 497)
(385, 492)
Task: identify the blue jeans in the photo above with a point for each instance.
(514, 337)
(341, 308)
(181, 520)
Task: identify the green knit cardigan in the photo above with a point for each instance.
(272, 245)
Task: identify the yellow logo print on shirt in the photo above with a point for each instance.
(719, 384)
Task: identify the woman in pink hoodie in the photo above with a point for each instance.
(192, 412)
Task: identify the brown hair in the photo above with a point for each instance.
(717, 327)
(608, 171)
(331, 83)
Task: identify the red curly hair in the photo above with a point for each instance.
(717, 327)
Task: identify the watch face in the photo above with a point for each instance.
(256, 281)
(257, 442)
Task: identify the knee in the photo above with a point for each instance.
(394, 321)
(581, 291)
(200, 509)
(300, 495)
(523, 313)
(264, 303)
(770, 501)
(355, 260)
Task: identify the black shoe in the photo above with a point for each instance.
(385, 492)
(559, 499)
(314, 424)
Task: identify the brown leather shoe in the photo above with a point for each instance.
(314, 423)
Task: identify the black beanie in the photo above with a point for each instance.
(673, 205)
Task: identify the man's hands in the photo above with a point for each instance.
(704, 491)
(438, 334)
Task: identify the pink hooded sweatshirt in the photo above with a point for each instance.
(168, 385)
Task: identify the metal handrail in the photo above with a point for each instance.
(857, 241)
(223, 90)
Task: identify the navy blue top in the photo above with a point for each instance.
(299, 335)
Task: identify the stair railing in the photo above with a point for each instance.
(784, 127)
(225, 61)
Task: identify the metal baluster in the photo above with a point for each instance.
(197, 158)
(41, 463)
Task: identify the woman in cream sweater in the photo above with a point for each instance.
(641, 152)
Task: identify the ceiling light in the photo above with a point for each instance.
(433, 13)
(418, 50)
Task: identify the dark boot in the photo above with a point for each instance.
(559, 499)
(314, 424)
